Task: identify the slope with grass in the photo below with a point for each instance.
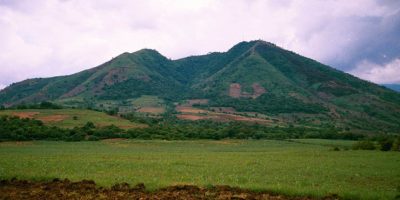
(70, 118)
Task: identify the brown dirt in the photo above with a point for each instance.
(53, 118)
(194, 117)
(24, 114)
(258, 90)
(223, 118)
(86, 189)
(16, 143)
(243, 118)
(191, 102)
(153, 110)
(185, 109)
(235, 90)
(223, 109)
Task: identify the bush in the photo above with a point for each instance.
(364, 145)
(93, 138)
(336, 149)
(386, 145)
(396, 144)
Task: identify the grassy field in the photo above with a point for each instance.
(147, 101)
(286, 167)
(64, 118)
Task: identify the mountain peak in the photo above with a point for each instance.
(260, 42)
(251, 45)
(147, 51)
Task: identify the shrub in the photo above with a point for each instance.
(396, 144)
(386, 145)
(336, 149)
(364, 145)
(93, 138)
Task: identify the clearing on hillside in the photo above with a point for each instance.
(69, 118)
(147, 101)
(217, 114)
(152, 110)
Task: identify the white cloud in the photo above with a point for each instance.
(386, 73)
(53, 37)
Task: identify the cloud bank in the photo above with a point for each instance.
(386, 73)
(56, 37)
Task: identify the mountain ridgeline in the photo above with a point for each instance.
(254, 76)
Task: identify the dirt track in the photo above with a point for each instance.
(65, 189)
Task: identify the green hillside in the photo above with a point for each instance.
(251, 77)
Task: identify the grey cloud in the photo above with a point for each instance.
(380, 43)
(49, 37)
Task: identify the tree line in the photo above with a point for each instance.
(13, 128)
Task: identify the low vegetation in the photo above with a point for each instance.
(307, 167)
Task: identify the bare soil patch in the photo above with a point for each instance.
(112, 140)
(16, 143)
(191, 102)
(24, 114)
(258, 90)
(242, 118)
(87, 189)
(194, 117)
(153, 110)
(223, 109)
(197, 101)
(187, 109)
(235, 91)
(53, 118)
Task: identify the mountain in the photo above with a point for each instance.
(395, 87)
(251, 77)
(128, 75)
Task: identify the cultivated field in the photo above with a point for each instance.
(69, 118)
(297, 167)
(191, 113)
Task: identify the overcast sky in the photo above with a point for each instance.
(45, 38)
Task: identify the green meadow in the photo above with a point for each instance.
(297, 167)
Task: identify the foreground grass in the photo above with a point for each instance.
(69, 118)
(291, 168)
